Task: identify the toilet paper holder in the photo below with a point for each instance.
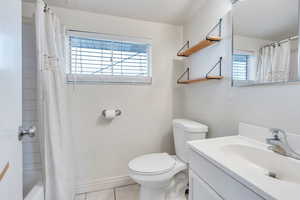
(118, 112)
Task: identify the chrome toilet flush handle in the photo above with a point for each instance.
(118, 112)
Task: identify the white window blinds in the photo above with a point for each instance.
(109, 60)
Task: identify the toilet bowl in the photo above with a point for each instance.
(155, 172)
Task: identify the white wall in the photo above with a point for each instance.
(248, 43)
(103, 149)
(219, 105)
(31, 150)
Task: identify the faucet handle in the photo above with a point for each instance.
(276, 132)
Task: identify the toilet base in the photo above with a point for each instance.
(175, 189)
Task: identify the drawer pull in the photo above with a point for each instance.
(2, 174)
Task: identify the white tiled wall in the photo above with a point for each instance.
(130, 192)
(31, 149)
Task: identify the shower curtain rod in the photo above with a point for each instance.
(282, 41)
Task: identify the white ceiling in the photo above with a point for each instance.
(165, 11)
(268, 19)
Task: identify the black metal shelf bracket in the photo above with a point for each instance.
(187, 71)
(219, 26)
(208, 37)
(218, 64)
(186, 45)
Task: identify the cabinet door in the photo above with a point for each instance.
(199, 190)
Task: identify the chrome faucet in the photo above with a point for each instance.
(279, 144)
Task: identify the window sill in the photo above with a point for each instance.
(108, 80)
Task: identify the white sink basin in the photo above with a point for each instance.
(265, 162)
(250, 162)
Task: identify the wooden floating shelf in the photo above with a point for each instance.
(201, 45)
(209, 41)
(201, 79)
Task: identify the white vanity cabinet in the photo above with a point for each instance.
(209, 182)
(201, 190)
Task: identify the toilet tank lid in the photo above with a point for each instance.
(190, 126)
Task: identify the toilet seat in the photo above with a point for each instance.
(152, 164)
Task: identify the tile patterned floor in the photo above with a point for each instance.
(128, 193)
(123, 193)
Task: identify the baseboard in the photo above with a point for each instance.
(104, 184)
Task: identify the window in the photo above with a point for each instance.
(240, 67)
(108, 59)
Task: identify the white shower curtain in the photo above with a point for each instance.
(274, 63)
(56, 138)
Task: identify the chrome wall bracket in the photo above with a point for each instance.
(26, 132)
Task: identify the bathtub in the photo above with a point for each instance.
(36, 193)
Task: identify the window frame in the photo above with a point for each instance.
(106, 79)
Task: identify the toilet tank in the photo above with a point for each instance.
(186, 130)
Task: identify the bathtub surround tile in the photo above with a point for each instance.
(29, 115)
(130, 192)
(32, 147)
(31, 152)
(101, 195)
(29, 83)
(29, 94)
(29, 104)
(31, 176)
(31, 158)
(27, 123)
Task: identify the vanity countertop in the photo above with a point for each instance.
(249, 161)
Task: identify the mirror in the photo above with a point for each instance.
(265, 42)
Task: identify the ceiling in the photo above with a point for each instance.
(268, 19)
(165, 11)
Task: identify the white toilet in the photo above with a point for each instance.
(155, 172)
